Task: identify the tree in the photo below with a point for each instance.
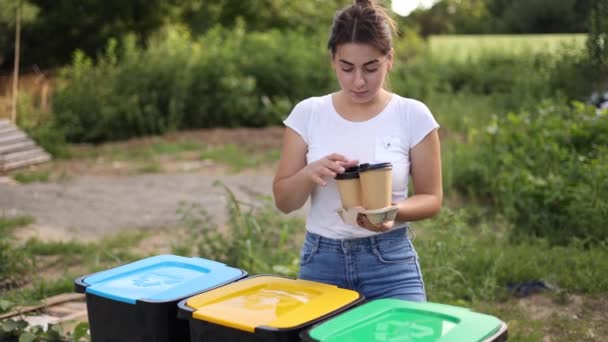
(502, 16)
(16, 7)
(597, 40)
(259, 15)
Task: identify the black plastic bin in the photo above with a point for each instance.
(137, 302)
(263, 308)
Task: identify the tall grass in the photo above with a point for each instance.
(466, 254)
(257, 239)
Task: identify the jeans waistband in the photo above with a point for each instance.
(399, 233)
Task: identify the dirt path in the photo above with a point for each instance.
(91, 206)
(92, 203)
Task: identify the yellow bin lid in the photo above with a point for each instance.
(270, 301)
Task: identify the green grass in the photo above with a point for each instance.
(10, 223)
(142, 152)
(70, 258)
(460, 47)
(147, 156)
(238, 158)
(25, 177)
(581, 324)
(468, 256)
(458, 113)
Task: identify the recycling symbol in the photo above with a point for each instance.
(156, 279)
(402, 332)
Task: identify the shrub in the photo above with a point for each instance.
(545, 170)
(224, 78)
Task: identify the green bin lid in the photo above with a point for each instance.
(397, 320)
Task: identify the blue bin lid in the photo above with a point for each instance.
(161, 278)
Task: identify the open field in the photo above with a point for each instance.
(460, 47)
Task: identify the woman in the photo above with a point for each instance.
(360, 123)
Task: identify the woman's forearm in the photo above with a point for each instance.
(419, 206)
(291, 193)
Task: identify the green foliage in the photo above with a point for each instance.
(225, 78)
(544, 170)
(21, 261)
(597, 40)
(25, 177)
(8, 15)
(40, 126)
(13, 261)
(257, 239)
(501, 16)
(64, 26)
(21, 331)
(511, 81)
(260, 15)
(467, 256)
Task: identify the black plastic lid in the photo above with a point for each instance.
(350, 173)
(378, 166)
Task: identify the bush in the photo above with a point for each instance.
(225, 78)
(544, 170)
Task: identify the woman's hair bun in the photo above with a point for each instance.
(364, 3)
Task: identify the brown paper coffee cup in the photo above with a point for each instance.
(376, 185)
(349, 188)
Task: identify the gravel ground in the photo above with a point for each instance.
(93, 206)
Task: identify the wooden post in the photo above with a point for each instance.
(16, 66)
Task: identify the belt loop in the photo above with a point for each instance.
(373, 242)
(317, 241)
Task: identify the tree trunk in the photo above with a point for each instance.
(16, 66)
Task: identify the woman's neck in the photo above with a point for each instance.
(353, 111)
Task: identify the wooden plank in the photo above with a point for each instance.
(15, 147)
(62, 298)
(76, 306)
(59, 311)
(78, 316)
(8, 129)
(20, 155)
(11, 137)
(22, 163)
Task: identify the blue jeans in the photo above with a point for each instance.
(380, 266)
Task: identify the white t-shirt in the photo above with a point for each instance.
(387, 137)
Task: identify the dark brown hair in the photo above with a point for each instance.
(363, 22)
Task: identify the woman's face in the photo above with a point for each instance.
(361, 70)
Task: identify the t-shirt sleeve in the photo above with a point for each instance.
(299, 118)
(421, 122)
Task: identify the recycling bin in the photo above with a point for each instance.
(138, 301)
(263, 308)
(397, 320)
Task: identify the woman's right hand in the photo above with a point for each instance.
(328, 167)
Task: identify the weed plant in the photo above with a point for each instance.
(257, 238)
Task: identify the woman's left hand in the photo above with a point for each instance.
(364, 222)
